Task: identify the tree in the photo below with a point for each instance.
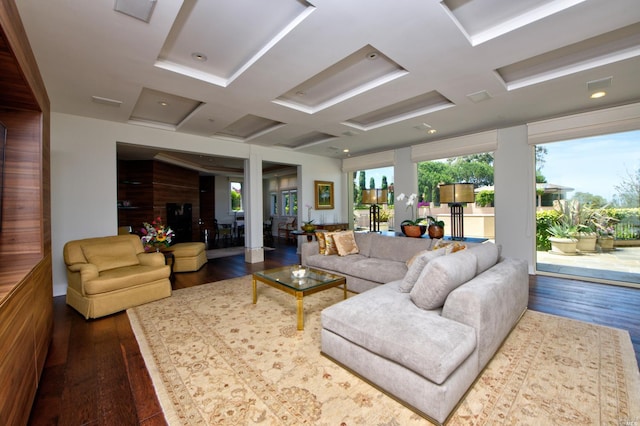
(589, 200)
(629, 190)
(384, 183)
(372, 183)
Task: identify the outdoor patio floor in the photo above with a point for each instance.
(621, 264)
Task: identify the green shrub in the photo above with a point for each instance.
(485, 198)
(544, 220)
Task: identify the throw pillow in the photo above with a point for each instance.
(331, 248)
(322, 241)
(416, 264)
(454, 247)
(110, 255)
(345, 243)
(439, 243)
(440, 277)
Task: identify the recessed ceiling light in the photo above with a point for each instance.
(431, 131)
(300, 93)
(372, 55)
(200, 57)
(163, 103)
(345, 150)
(597, 95)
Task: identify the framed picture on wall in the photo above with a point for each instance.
(324, 195)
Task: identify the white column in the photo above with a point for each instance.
(405, 180)
(252, 202)
(515, 198)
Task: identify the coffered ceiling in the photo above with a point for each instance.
(334, 77)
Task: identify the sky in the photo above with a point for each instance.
(594, 165)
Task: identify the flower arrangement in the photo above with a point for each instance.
(156, 235)
(411, 201)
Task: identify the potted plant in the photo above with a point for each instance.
(605, 229)
(563, 238)
(436, 227)
(587, 236)
(414, 227)
(383, 219)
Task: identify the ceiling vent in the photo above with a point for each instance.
(601, 84)
(480, 96)
(139, 9)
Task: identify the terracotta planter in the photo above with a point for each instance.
(436, 231)
(415, 231)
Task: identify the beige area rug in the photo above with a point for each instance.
(215, 358)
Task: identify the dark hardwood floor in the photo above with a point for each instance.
(95, 374)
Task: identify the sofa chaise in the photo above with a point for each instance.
(110, 274)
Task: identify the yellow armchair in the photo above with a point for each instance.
(110, 274)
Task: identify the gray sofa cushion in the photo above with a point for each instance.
(414, 271)
(385, 321)
(441, 276)
(487, 254)
(399, 249)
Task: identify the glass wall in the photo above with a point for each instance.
(588, 206)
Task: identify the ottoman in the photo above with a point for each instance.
(188, 257)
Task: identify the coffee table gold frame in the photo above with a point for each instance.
(281, 279)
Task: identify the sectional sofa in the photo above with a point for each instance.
(425, 337)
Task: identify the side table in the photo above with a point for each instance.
(308, 234)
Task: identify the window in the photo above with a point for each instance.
(235, 196)
(290, 202)
(273, 204)
(373, 186)
(589, 190)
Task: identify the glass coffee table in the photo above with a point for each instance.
(282, 279)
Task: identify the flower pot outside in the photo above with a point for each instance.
(606, 243)
(587, 242)
(415, 231)
(436, 231)
(564, 246)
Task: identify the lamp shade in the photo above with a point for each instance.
(457, 193)
(374, 196)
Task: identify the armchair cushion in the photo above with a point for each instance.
(110, 255)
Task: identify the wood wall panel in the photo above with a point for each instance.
(21, 199)
(149, 186)
(26, 294)
(18, 367)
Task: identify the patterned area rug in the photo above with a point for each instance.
(215, 358)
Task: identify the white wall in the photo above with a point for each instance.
(84, 178)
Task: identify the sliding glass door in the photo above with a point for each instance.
(588, 190)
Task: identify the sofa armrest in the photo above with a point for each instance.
(491, 303)
(307, 249)
(151, 259)
(87, 271)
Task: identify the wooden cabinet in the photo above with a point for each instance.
(26, 304)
